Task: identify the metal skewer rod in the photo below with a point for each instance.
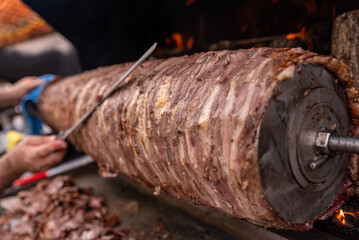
(65, 134)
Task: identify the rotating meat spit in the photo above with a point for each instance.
(253, 133)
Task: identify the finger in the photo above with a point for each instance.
(52, 159)
(34, 83)
(28, 83)
(37, 140)
(47, 148)
(31, 84)
(25, 79)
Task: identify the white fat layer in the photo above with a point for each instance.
(286, 73)
(207, 107)
(162, 98)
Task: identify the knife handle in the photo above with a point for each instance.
(30, 179)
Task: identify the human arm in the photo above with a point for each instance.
(34, 153)
(12, 95)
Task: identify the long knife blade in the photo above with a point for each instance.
(65, 134)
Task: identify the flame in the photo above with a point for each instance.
(190, 42)
(178, 39)
(340, 217)
(354, 215)
(300, 35)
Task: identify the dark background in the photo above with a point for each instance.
(107, 32)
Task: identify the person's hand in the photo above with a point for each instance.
(23, 86)
(36, 153)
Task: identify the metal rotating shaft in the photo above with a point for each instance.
(329, 143)
(343, 144)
